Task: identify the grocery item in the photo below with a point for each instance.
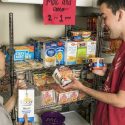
(49, 53)
(76, 73)
(25, 105)
(39, 79)
(70, 53)
(38, 46)
(81, 52)
(21, 66)
(91, 49)
(48, 97)
(52, 118)
(97, 63)
(76, 36)
(86, 34)
(60, 52)
(62, 76)
(23, 52)
(73, 95)
(20, 75)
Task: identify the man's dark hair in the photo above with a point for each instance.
(115, 5)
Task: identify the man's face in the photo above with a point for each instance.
(111, 21)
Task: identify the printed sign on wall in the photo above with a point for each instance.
(61, 12)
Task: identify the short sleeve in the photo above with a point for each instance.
(122, 85)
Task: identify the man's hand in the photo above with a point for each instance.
(25, 121)
(74, 85)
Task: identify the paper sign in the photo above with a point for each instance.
(61, 12)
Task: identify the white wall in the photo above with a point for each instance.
(28, 22)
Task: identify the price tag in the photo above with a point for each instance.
(60, 12)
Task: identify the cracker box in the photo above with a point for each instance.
(81, 52)
(68, 97)
(70, 53)
(48, 97)
(38, 46)
(25, 104)
(63, 98)
(60, 79)
(23, 53)
(73, 95)
(49, 53)
(60, 53)
(91, 48)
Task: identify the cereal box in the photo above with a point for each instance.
(25, 104)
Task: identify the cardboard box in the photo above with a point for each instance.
(70, 53)
(23, 53)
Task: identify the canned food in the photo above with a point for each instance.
(97, 63)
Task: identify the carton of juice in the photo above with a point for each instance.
(25, 104)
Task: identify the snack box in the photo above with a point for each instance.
(81, 52)
(49, 53)
(91, 48)
(61, 78)
(25, 105)
(48, 97)
(23, 53)
(65, 96)
(38, 45)
(68, 97)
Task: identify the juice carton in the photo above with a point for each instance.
(25, 104)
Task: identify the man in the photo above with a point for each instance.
(5, 118)
(111, 101)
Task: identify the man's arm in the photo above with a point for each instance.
(113, 99)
